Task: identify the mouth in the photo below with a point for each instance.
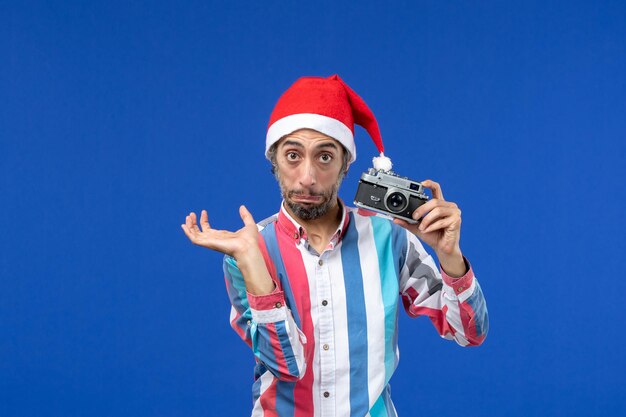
(307, 199)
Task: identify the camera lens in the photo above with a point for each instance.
(396, 202)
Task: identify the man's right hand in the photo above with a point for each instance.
(240, 244)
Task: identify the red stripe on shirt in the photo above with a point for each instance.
(438, 317)
(268, 400)
(298, 280)
(469, 327)
(271, 268)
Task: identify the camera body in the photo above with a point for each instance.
(388, 193)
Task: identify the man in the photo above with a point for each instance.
(315, 289)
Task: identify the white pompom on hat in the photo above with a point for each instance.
(326, 105)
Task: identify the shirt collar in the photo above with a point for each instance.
(294, 230)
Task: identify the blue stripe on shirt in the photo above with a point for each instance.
(284, 389)
(400, 244)
(389, 286)
(477, 302)
(379, 409)
(263, 348)
(285, 345)
(388, 403)
(284, 398)
(357, 323)
(237, 293)
(256, 389)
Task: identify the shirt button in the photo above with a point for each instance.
(326, 394)
(324, 303)
(460, 289)
(325, 347)
(320, 262)
(278, 305)
(248, 322)
(295, 235)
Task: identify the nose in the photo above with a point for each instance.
(307, 174)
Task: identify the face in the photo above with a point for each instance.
(309, 171)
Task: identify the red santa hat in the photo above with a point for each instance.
(327, 105)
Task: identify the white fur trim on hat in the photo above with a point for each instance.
(323, 124)
(382, 162)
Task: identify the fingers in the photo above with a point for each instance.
(439, 217)
(194, 223)
(246, 216)
(188, 228)
(190, 222)
(204, 220)
(434, 187)
(431, 205)
(401, 222)
(191, 228)
(445, 223)
(220, 240)
(187, 231)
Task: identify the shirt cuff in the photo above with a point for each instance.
(268, 308)
(459, 284)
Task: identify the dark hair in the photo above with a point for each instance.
(271, 155)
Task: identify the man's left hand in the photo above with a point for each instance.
(440, 228)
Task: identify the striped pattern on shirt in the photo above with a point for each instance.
(326, 340)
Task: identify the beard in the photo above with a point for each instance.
(310, 211)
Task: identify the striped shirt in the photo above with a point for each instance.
(326, 339)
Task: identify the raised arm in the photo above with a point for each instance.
(258, 315)
(449, 295)
(456, 306)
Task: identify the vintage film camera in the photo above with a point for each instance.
(388, 193)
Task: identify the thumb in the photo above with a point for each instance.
(247, 218)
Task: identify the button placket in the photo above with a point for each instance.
(326, 338)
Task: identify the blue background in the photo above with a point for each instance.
(118, 118)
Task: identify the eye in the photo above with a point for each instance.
(326, 157)
(292, 156)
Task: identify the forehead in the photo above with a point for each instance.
(309, 138)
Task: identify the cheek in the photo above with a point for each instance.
(328, 177)
(330, 174)
(288, 177)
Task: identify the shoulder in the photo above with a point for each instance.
(262, 225)
(390, 239)
(382, 226)
(361, 214)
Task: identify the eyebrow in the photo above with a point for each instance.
(328, 145)
(299, 145)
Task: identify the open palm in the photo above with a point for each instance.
(234, 244)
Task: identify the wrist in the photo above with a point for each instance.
(255, 274)
(453, 263)
(248, 256)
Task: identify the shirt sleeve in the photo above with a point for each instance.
(266, 325)
(456, 306)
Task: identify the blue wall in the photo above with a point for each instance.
(118, 118)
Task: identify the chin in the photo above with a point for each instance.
(309, 211)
